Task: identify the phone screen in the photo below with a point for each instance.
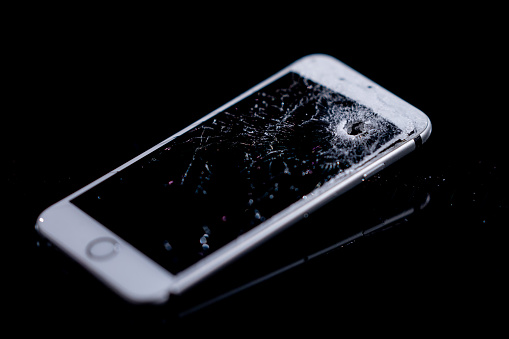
(237, 169)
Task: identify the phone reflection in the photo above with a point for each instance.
(370, 210)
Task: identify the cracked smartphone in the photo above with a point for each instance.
(201, 198)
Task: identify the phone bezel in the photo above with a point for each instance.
(138, 279)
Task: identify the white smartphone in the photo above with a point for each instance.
(201, 198)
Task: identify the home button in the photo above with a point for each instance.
(102, 248)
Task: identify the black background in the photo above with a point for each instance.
(88, 89)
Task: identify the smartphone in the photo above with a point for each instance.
(191, 204)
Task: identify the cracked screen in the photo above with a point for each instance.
(237, 169)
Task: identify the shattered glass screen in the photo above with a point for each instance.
(217, 181)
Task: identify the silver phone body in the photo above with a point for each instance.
(138, 278)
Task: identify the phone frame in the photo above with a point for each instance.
(138, 279)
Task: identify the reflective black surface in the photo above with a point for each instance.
(86, 100)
